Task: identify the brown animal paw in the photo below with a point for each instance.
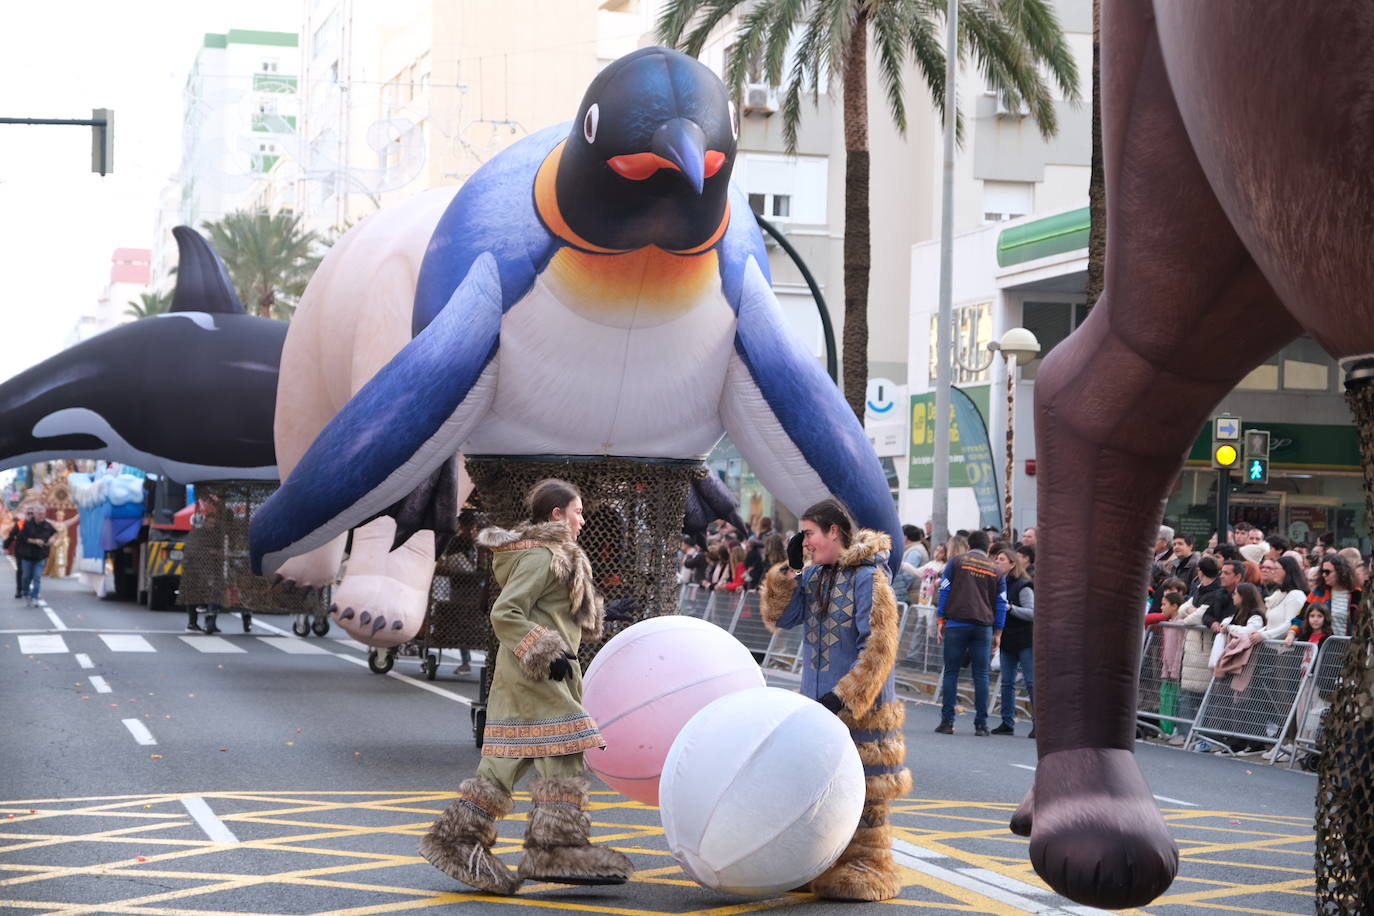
(1023, 816)
(1097, 836)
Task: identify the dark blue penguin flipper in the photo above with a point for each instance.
(408, 420)
(707, 500)
(791, 423)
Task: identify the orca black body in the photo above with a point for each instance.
(189, 394)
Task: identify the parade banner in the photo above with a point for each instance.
(970, 454)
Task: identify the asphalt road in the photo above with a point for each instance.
(151, 771)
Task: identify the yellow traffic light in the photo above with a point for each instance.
(1224, 455)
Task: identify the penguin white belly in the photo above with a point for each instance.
(577, 378)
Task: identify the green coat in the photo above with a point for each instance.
(529, 715)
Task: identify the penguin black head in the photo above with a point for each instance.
(649, 156)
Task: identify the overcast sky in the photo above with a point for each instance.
(59, 221)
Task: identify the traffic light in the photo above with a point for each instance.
(1256, 456)
(102, 141)
(1225, 456)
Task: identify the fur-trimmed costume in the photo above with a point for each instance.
(547, 606)
(851, 631)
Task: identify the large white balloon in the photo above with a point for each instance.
(761, 792)
(646, 683)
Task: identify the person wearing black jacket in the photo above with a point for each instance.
(1017, 637)
(31, 550)
(1212, 590)
(11, 544)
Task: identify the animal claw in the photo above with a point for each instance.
(365, 618)
(347, 613)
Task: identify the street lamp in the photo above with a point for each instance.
(1019, 346)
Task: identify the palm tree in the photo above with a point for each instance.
(269, 256)
(1097, 183)
(1009, 40)
(149, 304)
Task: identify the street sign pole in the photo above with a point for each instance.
(1223, 503)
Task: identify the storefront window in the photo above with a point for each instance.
(1306, 367)
(1264, 377)
(972, 331)
(1050, 322)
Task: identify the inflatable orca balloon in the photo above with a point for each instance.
(596, 289)
(188, 394)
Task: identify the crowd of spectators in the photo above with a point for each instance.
(1216, 599)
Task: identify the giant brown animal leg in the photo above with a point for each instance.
(1184, 316)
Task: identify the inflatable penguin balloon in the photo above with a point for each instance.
(596, 289)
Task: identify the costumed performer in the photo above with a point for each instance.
(850, 616)
(548, 604)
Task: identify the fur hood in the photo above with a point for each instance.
(570, 566)
(866, 548)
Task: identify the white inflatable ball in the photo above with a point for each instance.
(761, 792)
(644, 685)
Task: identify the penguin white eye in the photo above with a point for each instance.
(590, 121)
(734, 123)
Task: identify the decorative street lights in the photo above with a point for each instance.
(1019, 346)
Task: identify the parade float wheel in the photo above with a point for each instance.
(321, 626)
(381, 660)
(301, 625)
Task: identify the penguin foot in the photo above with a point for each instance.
(307, 574)
(380, 610)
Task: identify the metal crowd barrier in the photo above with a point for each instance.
(1318, 688)
(1254, 704)
(738, 613)
(1161, 705)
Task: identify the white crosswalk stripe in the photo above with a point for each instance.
(124, 642)
(293, 646)
(43, 644)
(211, 644)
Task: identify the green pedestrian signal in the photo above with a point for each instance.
(1257, 470)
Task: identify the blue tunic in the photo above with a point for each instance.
(836, 631)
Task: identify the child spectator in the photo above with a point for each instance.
(1315, 627)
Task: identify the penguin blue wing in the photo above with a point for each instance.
(790, 422)
(411, 417)
(494, 211)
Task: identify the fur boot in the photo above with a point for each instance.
(459, 843)
(556, 845)
(865, 870)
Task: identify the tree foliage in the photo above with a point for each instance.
(148, 304)
(270, 258)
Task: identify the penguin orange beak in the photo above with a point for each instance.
(682, 143)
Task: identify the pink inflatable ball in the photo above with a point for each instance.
(645, 684)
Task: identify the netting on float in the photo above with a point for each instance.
(216, 568)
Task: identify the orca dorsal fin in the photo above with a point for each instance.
(203, 283)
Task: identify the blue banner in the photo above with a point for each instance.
(978, 466)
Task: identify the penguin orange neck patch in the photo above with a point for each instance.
(641, 288)
(546, 204)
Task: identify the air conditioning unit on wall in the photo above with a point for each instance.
(1006, 110)
(760, 99)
